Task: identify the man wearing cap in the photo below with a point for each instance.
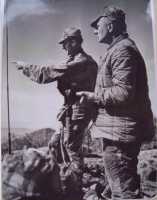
(76, 74)
(124, 117)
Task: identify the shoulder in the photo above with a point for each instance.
(84, 56)
(124, 48)
(86, 60)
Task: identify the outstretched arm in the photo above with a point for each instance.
(39, 74)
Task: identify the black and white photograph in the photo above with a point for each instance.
(78, 100)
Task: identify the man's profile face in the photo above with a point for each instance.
(102, 30)
(71, 45)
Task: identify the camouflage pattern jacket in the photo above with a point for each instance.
(124, 107)
(78, 73)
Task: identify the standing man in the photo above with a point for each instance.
(78, 73)
(124, 117)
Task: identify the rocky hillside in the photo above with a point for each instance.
(93, 169)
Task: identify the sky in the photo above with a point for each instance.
(34, 29)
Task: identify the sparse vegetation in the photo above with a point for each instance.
(93, 170)
(35, 139)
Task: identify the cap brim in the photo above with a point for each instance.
(61, 41)
(95, 22)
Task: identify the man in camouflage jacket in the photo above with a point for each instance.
(124, 117)
(78, 73)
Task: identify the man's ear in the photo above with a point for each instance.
(110, 27)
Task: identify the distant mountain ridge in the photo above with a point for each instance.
(15, 131)
(36, 139)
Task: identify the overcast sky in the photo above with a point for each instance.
(35, 27)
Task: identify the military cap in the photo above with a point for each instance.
(71, 32)
(112, 13)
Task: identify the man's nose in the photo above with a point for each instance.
(95, 32)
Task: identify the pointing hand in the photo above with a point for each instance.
(19, 64)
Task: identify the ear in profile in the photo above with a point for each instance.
(110, 27)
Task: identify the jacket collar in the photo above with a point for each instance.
(118, 39)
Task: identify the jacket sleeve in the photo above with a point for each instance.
(47, 74)
(76, 66)
(81, 69)
(41, 74)
(124, 69)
